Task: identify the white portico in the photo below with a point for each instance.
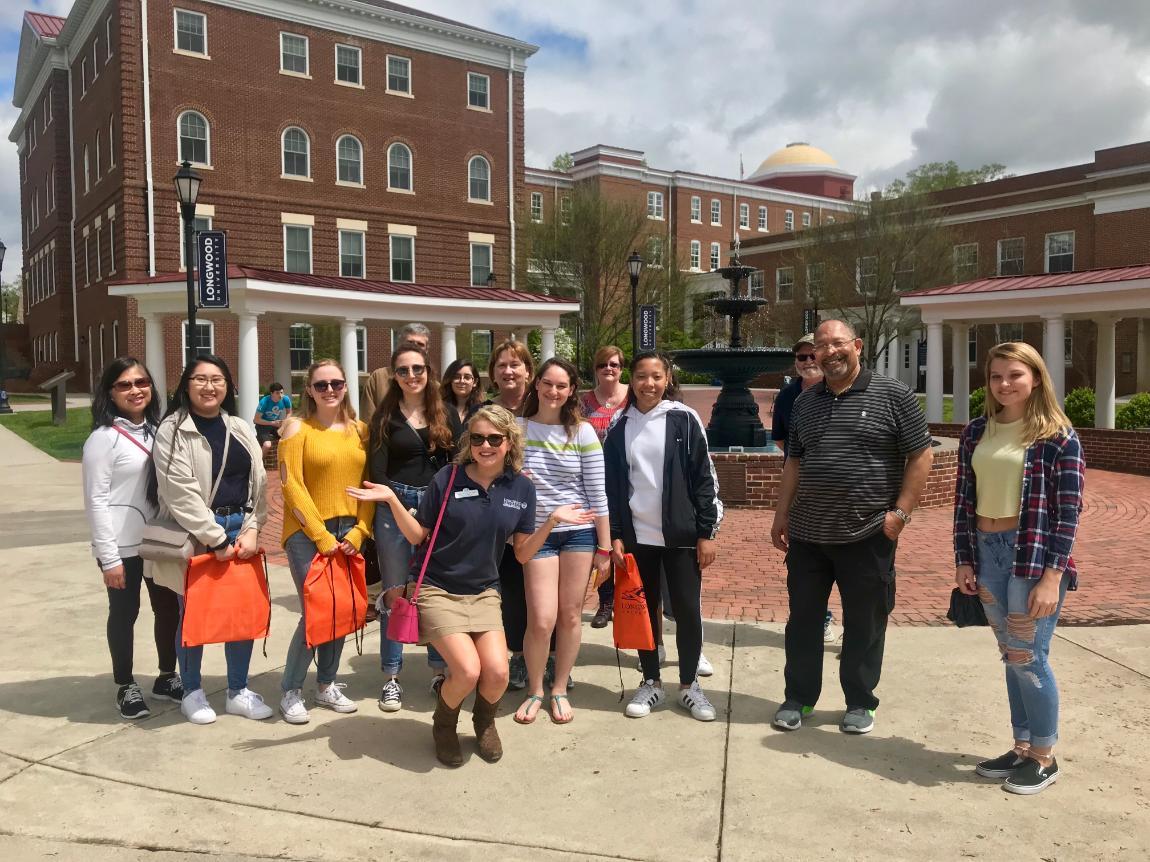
(1104, 296)
(279, 299)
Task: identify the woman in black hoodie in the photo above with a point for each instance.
(665, 510)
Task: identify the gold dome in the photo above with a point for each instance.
(793, 155)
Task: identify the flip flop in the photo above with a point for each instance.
(527, 703)
(557, 719)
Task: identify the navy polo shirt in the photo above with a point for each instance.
(475, 528)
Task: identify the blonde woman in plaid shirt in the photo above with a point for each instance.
(1017, 501)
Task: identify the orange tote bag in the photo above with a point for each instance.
(632, 624)
(334, 597)
(226, 601)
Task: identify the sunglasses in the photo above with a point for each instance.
(603, 365)
(411, 370)
(129, 385)
(322, 385)
(492, 440)
(804, 357)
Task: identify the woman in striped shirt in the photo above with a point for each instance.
(564, 458)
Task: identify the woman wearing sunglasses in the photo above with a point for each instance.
(411, 439)
(460, 391)
(488, 503)
(117, 455)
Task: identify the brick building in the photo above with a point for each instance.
(372, 150)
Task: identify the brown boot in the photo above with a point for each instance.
(444, 725)
(483, 719)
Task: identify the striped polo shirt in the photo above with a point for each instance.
(565, 469)
(852, 450)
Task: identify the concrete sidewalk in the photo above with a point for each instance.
(76, 782)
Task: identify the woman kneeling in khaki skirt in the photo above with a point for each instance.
(489, 503)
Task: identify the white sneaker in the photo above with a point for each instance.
(196, 708)
(330, 697)
(292, 707)
(705, 668)
(650, 694)
(662, 659)
(248, 704)
(694, 700)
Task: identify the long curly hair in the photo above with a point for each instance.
(439, 434)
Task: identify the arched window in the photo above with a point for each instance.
(349, 160)
(296, 151)
(194, 146)
(399, 167)
(478, 179)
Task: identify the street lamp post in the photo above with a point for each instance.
(634, 268)
(187, 190)
(4, 406)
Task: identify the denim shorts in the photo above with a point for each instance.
(572, 541)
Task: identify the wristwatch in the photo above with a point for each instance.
(903, 516)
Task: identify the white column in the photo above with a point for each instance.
(934, 372)
(349, 359)
(154, 357)
(1142, 356)
(281, 350)
(547, 343)
(959, 359)
(1104, 374)
(893, 358)
(448, 348)
(1054, 352)
(248, 379)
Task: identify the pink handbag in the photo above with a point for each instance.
(403, 618)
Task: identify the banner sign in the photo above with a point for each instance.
(212, 259)
(810, 320)
(648, 315)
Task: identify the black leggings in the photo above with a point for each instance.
(684, 590)
(124, 607)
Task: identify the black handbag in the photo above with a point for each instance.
(966, 610)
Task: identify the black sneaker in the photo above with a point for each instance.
(517, 673)
(549, 675)
(602, 616)
(168, 687)
(1000, 767)
(1032, 777)
(130, 700)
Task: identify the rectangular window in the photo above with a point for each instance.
(972, 347)
(478, 91)
(806, 219)
(565, 210)
(111, 143)
(199, 223)
(361, 347)
(99, 253)
(398, 75)
(1012, 256)
(87, 254)
(348, 61)
(108, 41)
(203, 341)
(1068, 344)
(816, 281)
(300, 340)
(83, 93)
(297, 248)
(481, 344)
(906, 357)
(536, 207)
(111, 246)
(696, 209)
(757, 286)
(965, 262)
(744, 216)
(95, 58)
(402, 258)
(788, 220)
(191, 32)
(293, 53)
(654, 205)
(715, 252)
(1009, 332)
(785, 284)
(716, 211)
(1060, 251)
(696, 252)
(867, 282)
(480, 264)
(904, 274)
(1126, 363)
(654, 251)
(351, 253)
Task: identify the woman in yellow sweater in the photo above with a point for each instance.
(321, 453)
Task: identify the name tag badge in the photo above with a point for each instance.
(466, 492)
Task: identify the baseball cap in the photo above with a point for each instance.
(809, 338)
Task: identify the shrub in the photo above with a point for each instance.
(1079, 407)
(977, 402)
(1134, 414)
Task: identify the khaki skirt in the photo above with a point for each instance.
(442, 613)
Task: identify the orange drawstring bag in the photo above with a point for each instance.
(334, 598)
(632, 623)
(226, 601)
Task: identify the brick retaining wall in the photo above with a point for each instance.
(1104, 448)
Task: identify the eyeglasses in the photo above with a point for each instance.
(804, 357)
(463, 378)
(411, 370)
(322, 385)
(492, 440)
(833, 345)
(207, 382)
(603, 365)
(129, 385)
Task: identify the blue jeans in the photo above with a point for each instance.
(581, 541)
(1023, 642)
(238, 654)
(300, 552)
(395, 554)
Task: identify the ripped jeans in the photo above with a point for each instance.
(1023, 642)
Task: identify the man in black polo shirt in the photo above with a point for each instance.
(858, 455)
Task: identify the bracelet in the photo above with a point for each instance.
(603, 552)
(902, 516)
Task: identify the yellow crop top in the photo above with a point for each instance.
(998, 462)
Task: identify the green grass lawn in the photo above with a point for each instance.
(947, 407)
(65, 442)
(27, 398)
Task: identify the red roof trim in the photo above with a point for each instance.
(1038, 282)
(49, 26)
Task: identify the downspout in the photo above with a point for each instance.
(72, 235)
(149, 191)
(511, 155)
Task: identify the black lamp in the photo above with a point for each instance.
(634, 268)
(187, 183)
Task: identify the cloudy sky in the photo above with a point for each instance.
(882, 85)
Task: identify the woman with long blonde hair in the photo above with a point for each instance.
(1017, 502)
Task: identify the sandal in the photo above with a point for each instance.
(525, 710)
(558, 719)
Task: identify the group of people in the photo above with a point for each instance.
(515, 506)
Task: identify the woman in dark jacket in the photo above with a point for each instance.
(665, 510)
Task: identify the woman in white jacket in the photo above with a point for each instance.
(116, 455)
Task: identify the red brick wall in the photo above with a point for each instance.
(1103, 449)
